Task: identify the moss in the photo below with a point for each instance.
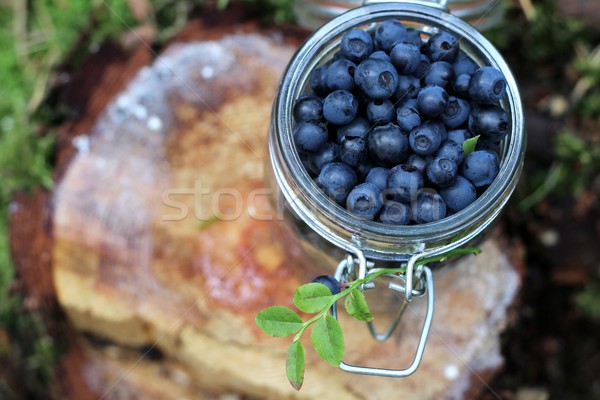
(35, 38)
(588, 300)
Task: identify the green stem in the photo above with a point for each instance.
(355, 284)
(445, 256)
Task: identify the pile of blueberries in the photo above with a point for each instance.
(382, 129)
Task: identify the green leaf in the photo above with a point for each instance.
(328, 340)
(469, 145)
(294, 367)
(312, 297)
(278, 321)
(449, 254)
(356, 305)
(205, 223)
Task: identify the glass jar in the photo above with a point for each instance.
(329, 233)
(482, 14)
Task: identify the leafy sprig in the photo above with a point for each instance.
(469, 145)
(326, 336)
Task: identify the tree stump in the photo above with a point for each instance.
(162, 292)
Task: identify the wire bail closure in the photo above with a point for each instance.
(347, 270)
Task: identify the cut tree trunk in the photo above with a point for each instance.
(160, 267)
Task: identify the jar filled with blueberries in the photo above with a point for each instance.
(397, 133)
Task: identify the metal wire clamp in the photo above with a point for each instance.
(347, 270)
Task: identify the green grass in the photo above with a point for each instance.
(35, 37)
(589, 300)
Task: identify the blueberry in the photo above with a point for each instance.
(408, 103)
(426, 138)
(404, 182)
(380, 55)
(424, 64)
(365, 201)
(442, 171)
(440, 128)
(388, 146)
(380, 111)
(358, 127)
(461, 84)
(428, 207)
(464, 65)
(442, 46)
(388, 34)
(487, 85)
(332, 284)
(452, 150)
(407, 118)
(483, 144)
(395, 213)
(459, 195)
(432, 101)
(378, 79)
(308, 108)
(406, 58)
(439, 74)
(309, 136)
(418, 162)
(340, 75)
(459, 135)
(363, 169)
(378, 177)
(456, 112)
(340, 107)
(336, 179)
(353, 151)
(413, 36)
(408, 88)
(305, 163)
(318, 81)
(491, 122)
(327, 154)
(356, 45)
(480, 167)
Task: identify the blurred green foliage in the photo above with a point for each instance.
(550, 36)
(546, 40)
(565, 56)
(275, 11)
(576, 164)
(581, 160)
(589, 300)
(35, 38)
(586, 93)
